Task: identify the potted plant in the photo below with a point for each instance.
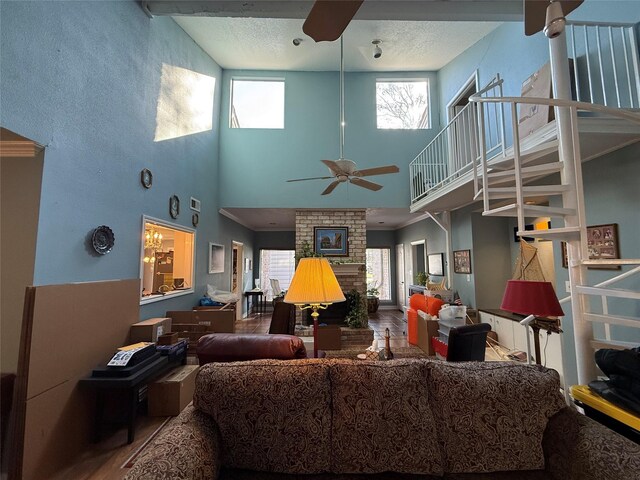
(357, 316)
(422, 278)
(373, 299)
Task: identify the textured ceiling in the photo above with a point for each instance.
(267, 43)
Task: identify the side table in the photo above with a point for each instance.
(130, 386)
(258, 300)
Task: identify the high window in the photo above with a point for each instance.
(402, 104)
(378, 271)
(279, 265)
(166, 260)
(257, 103)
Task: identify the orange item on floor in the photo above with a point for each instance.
(417, 301)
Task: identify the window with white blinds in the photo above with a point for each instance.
(378, 271)
(277, 264)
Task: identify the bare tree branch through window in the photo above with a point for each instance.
(402, 105)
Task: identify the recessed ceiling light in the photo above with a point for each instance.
(530, 202)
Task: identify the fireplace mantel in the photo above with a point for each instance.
(346, 268)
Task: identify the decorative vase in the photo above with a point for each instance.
(372, 304)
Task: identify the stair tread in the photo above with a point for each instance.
(529, 209)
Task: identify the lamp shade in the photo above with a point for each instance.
(531, 298)
(314, 283)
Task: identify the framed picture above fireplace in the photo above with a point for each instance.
(331, 241)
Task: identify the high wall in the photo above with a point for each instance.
(610, 182)
(256, 163)
(101, 85)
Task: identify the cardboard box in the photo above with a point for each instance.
(149, 330)
(426, 330)
(218, 321)
(329, 337)
(173, 392)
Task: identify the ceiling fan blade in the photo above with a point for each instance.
(366, 172)
(310, 178)
(365, 183)
(330, 188)
(535, 12)
(333, 166)
(328, 19)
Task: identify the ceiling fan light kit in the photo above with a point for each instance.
(554, 21)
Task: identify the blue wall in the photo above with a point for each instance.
(257, 162)
(84, 79)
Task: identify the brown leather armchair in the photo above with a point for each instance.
(235, 347)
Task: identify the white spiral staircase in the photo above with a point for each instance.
(468, 161)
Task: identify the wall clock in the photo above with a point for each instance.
(174, 206)
(146, 178)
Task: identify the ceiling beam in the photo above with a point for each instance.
(407, 10)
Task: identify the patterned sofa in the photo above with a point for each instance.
(323, 419)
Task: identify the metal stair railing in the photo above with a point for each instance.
(456, 149)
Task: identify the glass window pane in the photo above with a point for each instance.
(279, 265)
(402, 104)
(378, 271)
(257, 104)
(167, 260)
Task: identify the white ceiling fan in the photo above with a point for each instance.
(343, 170)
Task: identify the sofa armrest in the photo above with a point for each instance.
(577, 447)
(187, 447)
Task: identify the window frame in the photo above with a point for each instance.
(174, 226)
(257, 79)
(266, 288)
(405, 80)
(390, 272)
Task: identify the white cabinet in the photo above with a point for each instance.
(488, 318)
(504, 329)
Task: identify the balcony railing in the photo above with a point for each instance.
(605, 69)
(454, 151)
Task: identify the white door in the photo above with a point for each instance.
(402, 293)
(237, 280)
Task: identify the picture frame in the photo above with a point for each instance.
(146, 178)
(331, 241)
(435, 263)
(462, 261)
(174, 206)
(216, 258)
(602, 243)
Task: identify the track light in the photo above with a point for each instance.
(555, 21)
(377, 51)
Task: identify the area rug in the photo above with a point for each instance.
(398, 352)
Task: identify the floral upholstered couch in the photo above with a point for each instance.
(403, 419)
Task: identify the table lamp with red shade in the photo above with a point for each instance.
(535, 299)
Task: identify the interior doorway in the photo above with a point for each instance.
(21, 164)
(460, 99)
(400, 275)
(237, 280)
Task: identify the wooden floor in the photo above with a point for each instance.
(105, 460)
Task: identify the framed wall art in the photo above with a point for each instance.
(436, 264)
(602, 244)
(331, 241)
(462, 261)
(216, 258)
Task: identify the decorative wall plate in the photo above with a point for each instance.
(174, 206)
(103, 239)
(195, 219)
(146, 178)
